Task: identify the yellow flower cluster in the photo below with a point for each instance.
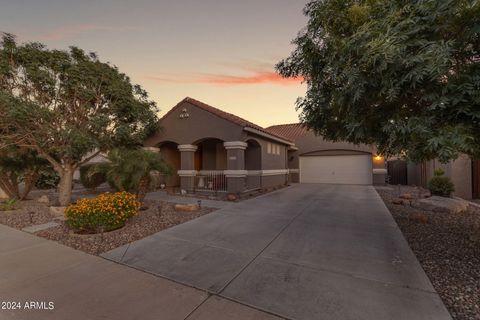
(108, 210)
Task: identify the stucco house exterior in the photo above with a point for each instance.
(212, 150)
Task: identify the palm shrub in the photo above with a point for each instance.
(441, 185)
(90, 177)
(131, 170)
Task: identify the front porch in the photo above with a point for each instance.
(214, 166)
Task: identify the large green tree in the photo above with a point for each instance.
(404, 75)
(68, 106)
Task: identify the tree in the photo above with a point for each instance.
(130, 170)
(68, 106)
(404, 75)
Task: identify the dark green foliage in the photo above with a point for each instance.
(48, 179)
(68, 106)
(441, 185)
(19, 165)
(91, 179)
(404, 75)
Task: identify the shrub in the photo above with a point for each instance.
(91, 179)
(108, 210)
(441, 185)
(132, 170)
(48, 179)
(9, 204)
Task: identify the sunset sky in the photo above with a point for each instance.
(221, 52)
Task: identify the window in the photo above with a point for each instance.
(269, 148)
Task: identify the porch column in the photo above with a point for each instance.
(187, 171)
(235, 173)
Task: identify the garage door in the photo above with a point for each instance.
(345, 169)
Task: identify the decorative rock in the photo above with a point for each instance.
(442, 204)
(406, 196)
(58, 212)
(232, 197)
(186, 207)
(426, 195)
(3, 194)
(397, 201)
(44, 199)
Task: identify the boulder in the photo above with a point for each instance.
(232, 197)
(186, 207)
(3, 194)
(406, 196)
(44, 199)
(442, 204)
(58, 212)
(397, 201)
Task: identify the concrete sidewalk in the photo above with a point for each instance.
(304, 252)
(83, 287)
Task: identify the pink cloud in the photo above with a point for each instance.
(256, 77)
(63, 32)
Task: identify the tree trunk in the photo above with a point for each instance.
(143, 185)
(30, 178)
(8, 186)
(65, 186)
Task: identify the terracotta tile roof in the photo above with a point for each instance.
(227, 116)
(290, 131)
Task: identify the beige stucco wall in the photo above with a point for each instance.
(270, 161)
(459, 170)
(200, 124)
(316, 145)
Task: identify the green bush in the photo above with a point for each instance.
(441, 185)
(108, 210)
(48, 179)
(91, 179)
(9, 204)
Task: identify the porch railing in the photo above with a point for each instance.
(211, 180)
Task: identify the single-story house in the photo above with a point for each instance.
(212, 150)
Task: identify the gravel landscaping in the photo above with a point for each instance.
(27, 213)
(448, 247)
(159, 216)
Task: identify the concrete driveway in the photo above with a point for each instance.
(304, 252)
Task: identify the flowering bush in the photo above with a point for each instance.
(108, 210)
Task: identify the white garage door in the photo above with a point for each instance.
(345, 169)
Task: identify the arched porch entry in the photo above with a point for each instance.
(171, 155)
(253, 164)
(210, 161)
